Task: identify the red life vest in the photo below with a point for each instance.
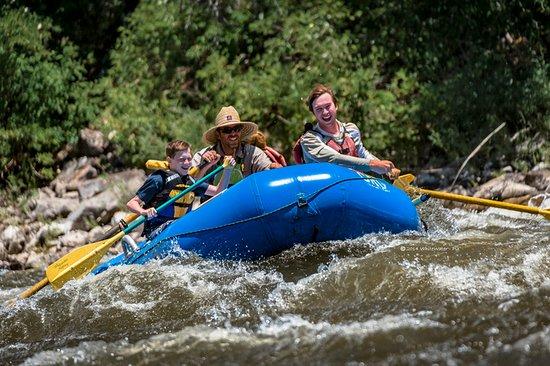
(275, 156)
(347, 147)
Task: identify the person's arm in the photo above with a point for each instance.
(229, 164)
(136, 206)
(204, 161)
(315, 150)
(151, 187)
(377, 165)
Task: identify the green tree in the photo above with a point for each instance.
(43, 98)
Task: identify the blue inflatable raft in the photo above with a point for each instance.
(269, 212)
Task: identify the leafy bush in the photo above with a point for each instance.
(425, 81)
(43, 99)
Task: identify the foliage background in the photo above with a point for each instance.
(426, 81)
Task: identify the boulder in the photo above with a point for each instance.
(97, 233)
(72, 174)
(18, 261)
(14, 239)
(3, 252)
(38, 260)
(73, 195)
(46, 234)
(47, 207)
(91, 143)
(519, 200)
(504, 187)
(83, 174)
(86, 214)
(90, 188)
(540, 200)
(74, 238)
(540, 179)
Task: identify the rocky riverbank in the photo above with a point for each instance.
(83, 202)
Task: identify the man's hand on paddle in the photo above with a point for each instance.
(385, 167)
(211, 157)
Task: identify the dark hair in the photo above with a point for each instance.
(316, 92)
(174, 146)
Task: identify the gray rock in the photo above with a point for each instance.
(46, 207)
(102, 206)
(3, 252)
(96, 233)
(517, 189)
(540, 179)
(46, 234)
(73, 195)
(91, 142)
(540, 200)
(38, 260)
(503, 187)
(90, 188)
(14, 239)
(82, 174)
(73, 173)
(74, 238)
(18, 259)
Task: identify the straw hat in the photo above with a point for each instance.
(228, 116)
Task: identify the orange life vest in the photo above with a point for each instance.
(275, 156)
(347, 147)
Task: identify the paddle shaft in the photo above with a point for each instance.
(483, 202)
(66, 265)
(121, 225)
(37, 287)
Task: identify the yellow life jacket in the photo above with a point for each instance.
(173, 185)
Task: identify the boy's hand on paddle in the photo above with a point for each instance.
(149, 213)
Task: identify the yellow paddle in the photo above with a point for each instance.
(403, 182)
(81, 261)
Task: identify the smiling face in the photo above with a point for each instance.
(181, 161)
(230, 136)
(325, 110)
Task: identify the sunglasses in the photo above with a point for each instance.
(228, 130)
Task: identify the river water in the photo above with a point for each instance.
(473, 289)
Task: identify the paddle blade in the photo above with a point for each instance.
(404, 181)
(79, 262)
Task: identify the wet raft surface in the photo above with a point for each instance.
(474, 289)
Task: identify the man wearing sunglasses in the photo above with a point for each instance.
(226, 139)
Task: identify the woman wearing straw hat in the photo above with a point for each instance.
(226, 138)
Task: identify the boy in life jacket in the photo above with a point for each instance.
(330, 140)
(163, 184)
(277, 159)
